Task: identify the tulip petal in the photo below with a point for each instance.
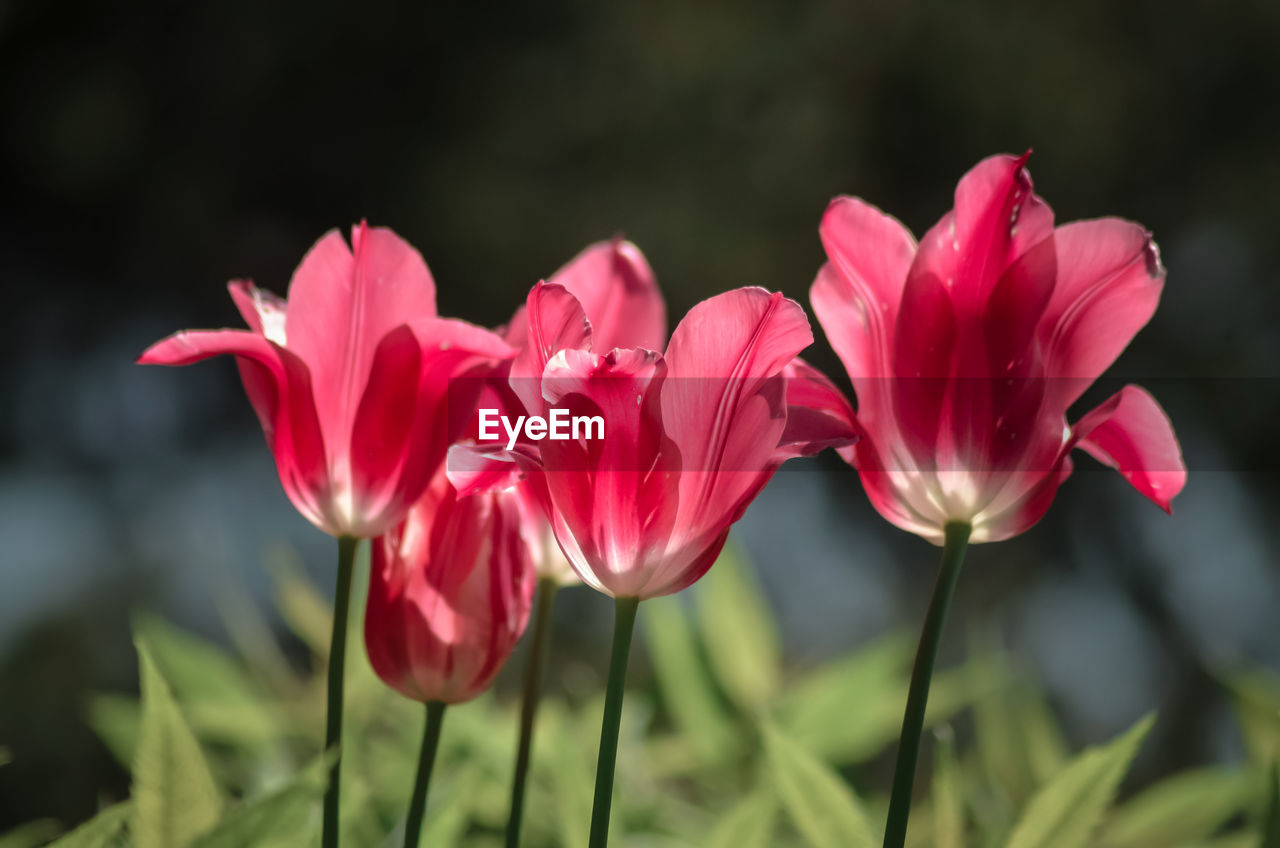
(381, 432)
(616, 288)
(1023, 502)
(420, 395)
(555, 321)
(341, 303)
(856, 294)
(818, 414)
(263, 311)
(996, 219)
(1132, 434)
(923, 347)
(720, 355)
(1109, 282)
(723, 402)
(1012, 313)
(458, 367)
(475, 468)
(997, 405)
(686, 567)
(611, 499)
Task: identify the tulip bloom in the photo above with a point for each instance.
(449, 594)
(691, 437)
(351, 381)
(967, 350)
(350, 377)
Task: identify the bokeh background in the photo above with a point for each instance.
(150, 151)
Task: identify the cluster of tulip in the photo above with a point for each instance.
(965, 351)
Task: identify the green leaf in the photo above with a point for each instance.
(104, 830)
(948, 802)
(253, 636)
(1257, 703)
(1065, 812)
(6, 756)
(195, 668)
(694, 705)
(1234, 840)
(739, 632)
(831, 710)
(1181, 809)
(280, 818)
(30, 834)
(820, 804)
(175, 799)
(221, 701)
(998, 733)
(565, 764)
(305, 611)
(388, 766)
(1046, 745)
(358, 820)
(116, 719)
(851, 710)
(749, 824)
(448, 817)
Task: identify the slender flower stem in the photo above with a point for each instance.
(426, 760)
(337, 660)
(904, 773)
(623, 624)
(535, 659)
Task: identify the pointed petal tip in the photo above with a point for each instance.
(1015, 163)
(168, 351)
(1132, 433)
(1151, 255)
(1162, 493)
(161, 352)
(835, 204)
(846, 211)
(359, 232)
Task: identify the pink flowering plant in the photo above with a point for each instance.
(471, 476)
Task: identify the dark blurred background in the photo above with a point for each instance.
(150, 151)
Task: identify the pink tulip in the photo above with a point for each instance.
(615, 287)
(618, 297)
(967, 350)
(449, 594)
(691, 436)
(351, 378)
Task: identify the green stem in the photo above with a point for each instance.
(426, 760)
(1271, 822)
(904, 773)
(535, 659)
(623, 624)
(337, 659)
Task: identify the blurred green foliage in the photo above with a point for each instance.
(730, 751)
